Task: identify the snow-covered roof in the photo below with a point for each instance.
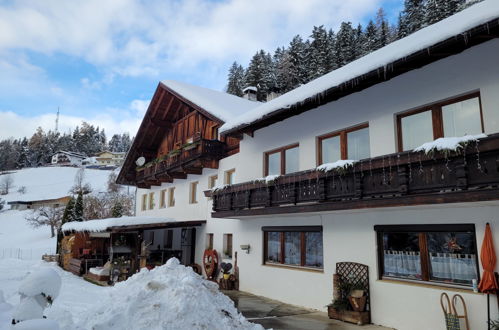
(71, 153)
(105, 224)
(221, 105)
(461, 22)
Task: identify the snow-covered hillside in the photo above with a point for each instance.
(51, 182)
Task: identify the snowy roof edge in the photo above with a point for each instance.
(480, 14)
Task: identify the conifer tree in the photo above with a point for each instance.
(345, 44)
(318, 53)
(412, 17)
(68, 214)
(434, 11)
(235, 83)
(78, 208)
(117, 210)
(371, 37)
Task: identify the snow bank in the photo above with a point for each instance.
(222, 105)
(168, 297)
(105, 224)
(339, 164)
(448, 143)
(454, 25)
(43, 281)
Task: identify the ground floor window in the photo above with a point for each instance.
(294, 246)
(431, 253)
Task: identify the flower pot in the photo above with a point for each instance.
(226, 276)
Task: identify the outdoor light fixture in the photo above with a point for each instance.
(245, 247)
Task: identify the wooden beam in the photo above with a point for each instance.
(193, 170)
(178, 175)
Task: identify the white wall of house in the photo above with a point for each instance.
(349, 235)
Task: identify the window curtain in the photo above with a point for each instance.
(402, 263)
(453, 266)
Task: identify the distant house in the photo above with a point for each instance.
(36, 204)
(108, 158)
(68, 158)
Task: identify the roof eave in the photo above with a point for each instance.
(450, 46)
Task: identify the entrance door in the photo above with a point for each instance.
(188, 239)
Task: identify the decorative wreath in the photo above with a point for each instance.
(210, 263)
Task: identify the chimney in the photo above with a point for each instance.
(249, 93)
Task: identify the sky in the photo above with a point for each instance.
(101, 61)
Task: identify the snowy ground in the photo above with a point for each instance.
(19, 240)
(52, 182)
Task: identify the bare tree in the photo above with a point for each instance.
(80, 185)
(6, 183)
(103, 205)
(112, 186)
(46, 216)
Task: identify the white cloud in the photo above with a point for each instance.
(17, 126)
(136, 38)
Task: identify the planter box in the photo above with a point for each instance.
(359, 318)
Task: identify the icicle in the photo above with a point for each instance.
(479, 166)
(420, 164)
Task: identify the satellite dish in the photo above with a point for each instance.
(140, 161)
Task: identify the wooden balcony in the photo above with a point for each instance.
(400, 179)
(188, 160)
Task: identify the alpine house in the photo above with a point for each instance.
(389, 164)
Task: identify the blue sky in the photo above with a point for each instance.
(101, 61)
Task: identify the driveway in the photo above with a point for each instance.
(277, 315)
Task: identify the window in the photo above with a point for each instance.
(162, 199)
(151, 200)
(209, 241)
(228, 246)
(193, 193)
(171, 197)
(144, 202)
(229, 176)
(457, 117)
(350, 143)
(168, 239)
(430, 253)
(212, 181)
(294, 246)
(282, 161)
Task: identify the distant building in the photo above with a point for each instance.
(108, 158)
(36, 204)
(67, 158)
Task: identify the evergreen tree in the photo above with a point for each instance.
(318, 62)
(345, 44)
(235, 83)
(412, 17)
(126, 142)
(371, 37)
(382, 29)
(435, 10)
(68, 215)
(117, 210)
(78, 208)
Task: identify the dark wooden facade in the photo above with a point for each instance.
(176, 138)
(400, 179)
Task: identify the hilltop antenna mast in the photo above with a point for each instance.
(57, 121)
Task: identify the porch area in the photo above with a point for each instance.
(273, 314)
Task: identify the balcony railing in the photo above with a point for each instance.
(181, 162)
(406, 178)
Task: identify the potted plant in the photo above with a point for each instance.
(350, 302)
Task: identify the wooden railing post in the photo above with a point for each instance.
(461, 173)
(321, 187)
(357, 181)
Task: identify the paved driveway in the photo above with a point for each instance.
(277, 315)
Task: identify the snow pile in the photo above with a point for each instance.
(38, 290)
(5, 311)
(105, 224)
(454, 25)
(222, 105)
(268, 179)
(448, 143)
(341, 164)
(168, 297)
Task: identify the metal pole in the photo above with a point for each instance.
(488, 311)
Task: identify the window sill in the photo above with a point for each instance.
(430, 285)
(306, 269)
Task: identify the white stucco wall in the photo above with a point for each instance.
(349, 235)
